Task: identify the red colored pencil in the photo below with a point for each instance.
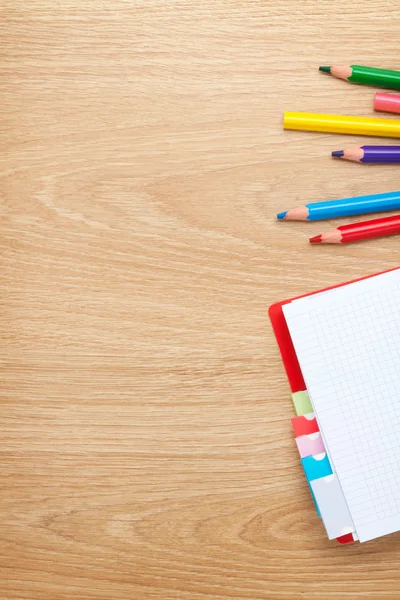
(356, 232)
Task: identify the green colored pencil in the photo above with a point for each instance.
(365, 75)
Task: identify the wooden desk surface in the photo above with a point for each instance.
(146, 448)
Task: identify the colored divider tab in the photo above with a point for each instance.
(316, 463)
(333, 507)
(315, 500)
(302, 403)
(316, 466)
(305, 424)
(311, 444)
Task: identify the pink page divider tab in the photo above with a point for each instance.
(310, 444)
(305, 424)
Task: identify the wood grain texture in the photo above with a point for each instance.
(146, 450)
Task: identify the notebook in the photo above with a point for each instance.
(344, 351)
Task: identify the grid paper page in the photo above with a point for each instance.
(348, 344)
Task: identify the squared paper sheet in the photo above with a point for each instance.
(348, 344)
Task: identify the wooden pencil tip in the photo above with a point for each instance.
(325, 69)
(317, 239)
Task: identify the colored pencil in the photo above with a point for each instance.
(365, 75)
(342, 124)
(370, 154)
(345, 207)
(387, 102)
(356, 232)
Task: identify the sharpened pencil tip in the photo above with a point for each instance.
(325, 69)
(317, 239)
(338, 153)
(281, 215)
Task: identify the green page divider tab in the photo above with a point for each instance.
(302, 403)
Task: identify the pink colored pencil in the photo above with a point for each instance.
(387, 102)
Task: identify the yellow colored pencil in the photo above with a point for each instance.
(342, 124)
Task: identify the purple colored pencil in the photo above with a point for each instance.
(370, 154)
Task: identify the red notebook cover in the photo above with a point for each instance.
(289, 358)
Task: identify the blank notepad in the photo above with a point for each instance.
(347, 342)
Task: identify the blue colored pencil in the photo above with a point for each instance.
(344, 207)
